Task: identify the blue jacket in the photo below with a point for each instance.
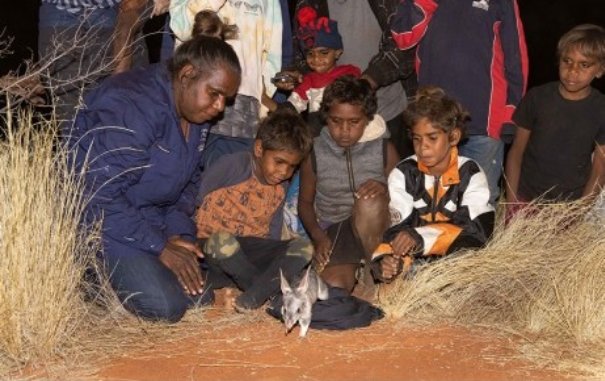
(141, 173)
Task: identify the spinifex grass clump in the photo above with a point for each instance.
(543, 277)
(43, 251)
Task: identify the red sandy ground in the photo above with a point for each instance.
(260, 350)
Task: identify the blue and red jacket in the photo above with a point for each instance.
(474, 49)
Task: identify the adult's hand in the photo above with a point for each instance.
(160, 7)
(182, 258)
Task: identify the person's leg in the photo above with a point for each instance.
(489, 154)
(224, 253)
(341, 276)
(145, 286)
(347, 254)
(271, 256)
(370, 220)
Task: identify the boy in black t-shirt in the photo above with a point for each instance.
(559, 148)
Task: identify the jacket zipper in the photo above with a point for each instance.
(434, 201)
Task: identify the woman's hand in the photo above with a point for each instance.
(371, 188)
(181, 257)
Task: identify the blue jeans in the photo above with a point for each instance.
(489, 153)
(81, 62)
(145, 286)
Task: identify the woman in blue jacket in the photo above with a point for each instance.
(138, 143)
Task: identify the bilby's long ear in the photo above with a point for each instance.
(285, 286)
(304, 282)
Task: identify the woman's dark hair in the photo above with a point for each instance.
(440, 110)
(207, 50)
(285, 130)
(351, 90)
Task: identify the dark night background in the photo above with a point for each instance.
(544, 21)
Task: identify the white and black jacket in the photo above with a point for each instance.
(443, 213)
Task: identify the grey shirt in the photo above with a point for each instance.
(361, 36)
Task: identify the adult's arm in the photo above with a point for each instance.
(179, 218)
(410, 21)
(113, 151)
(390, 64)
(514, 50)
(129, 21)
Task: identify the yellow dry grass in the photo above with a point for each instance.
(542, 278)
(47, 325)
(42, 249)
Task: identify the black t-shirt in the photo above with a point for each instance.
(557, 160)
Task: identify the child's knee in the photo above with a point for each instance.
(221, 245)
(375, 208)
(342, 276)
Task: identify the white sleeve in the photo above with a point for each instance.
(402, 202)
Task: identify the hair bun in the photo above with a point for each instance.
(208, 23)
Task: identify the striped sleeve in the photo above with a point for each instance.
(410, 21)
(401, 205)
(515, 57)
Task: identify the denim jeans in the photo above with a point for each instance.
(489, 153)
(145, 286)
(80, 63)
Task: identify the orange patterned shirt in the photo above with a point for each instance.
(244, 209)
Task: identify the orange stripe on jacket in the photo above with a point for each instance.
(448, 233)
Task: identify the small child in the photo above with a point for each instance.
(239, 218)
(439, 200)
(559, 148)
(320, 40)
(343, 194)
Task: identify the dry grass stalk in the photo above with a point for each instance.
(46, 326)
(42, 249)
(543, 278)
